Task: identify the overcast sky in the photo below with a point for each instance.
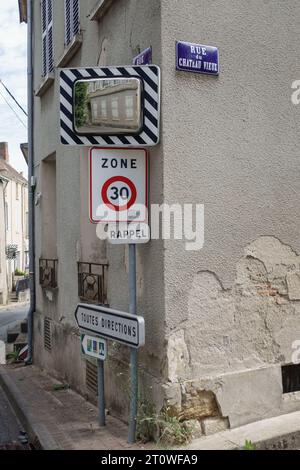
(13, 70)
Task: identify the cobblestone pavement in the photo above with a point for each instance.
(9, 425)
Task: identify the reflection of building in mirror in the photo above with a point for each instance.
(108, 106)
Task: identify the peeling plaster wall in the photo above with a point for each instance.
(232, 143)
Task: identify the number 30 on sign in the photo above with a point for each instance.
(118, 185)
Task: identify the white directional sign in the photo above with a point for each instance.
(118, 185)
(111, 324)
(94, 347)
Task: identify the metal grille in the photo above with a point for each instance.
(91, 377)
(48, 273)
(291, 378)
(92, 282)
(47, 334)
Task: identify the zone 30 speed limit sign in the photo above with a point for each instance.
(118, 185)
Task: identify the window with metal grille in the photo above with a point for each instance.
(291, 378)
(72, 20)
(47, 36)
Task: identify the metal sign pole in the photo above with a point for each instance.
(101, 396)
(133, 351)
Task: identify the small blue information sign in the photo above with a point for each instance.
(144, 58)
(197, 58)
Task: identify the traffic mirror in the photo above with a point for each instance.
(110, 106)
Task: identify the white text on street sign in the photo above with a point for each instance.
(122, 233)
(111, 324)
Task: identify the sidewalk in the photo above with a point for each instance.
(64, 420)
(59, 419)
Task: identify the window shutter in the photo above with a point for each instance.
(76, 17)
(47, 36)
(68, 22)
(72, 20)
(44, 36)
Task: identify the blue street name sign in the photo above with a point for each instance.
(197, 58)
(144, 58)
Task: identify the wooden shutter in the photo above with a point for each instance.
(72, 20)
(47, 36)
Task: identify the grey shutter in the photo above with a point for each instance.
(44, 36)
(68, 22)
(72, 20)
(76, 17)
(47, 36)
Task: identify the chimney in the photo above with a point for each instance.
(4, 151)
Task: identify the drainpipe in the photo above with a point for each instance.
(31, 180)
(5, 182)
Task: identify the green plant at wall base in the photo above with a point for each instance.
(12, 357)
(173, 431)
(248, 446)
(169, 429)
(146, 426)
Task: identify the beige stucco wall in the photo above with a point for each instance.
(232, 308)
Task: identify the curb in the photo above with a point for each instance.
(278, 433)
(38, 434)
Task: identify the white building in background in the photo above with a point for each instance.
(13, 224)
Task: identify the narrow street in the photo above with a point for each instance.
(11, 315)
(10, 427)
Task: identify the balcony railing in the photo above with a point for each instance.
(92, 282)
(48, 273)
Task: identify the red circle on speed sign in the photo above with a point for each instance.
(116, 179)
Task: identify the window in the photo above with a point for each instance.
(129, 107)
(290, 378)
(115, 108)
(47, 36)
(103, 109)
(72, 20)
(95, 110)
(27, 225)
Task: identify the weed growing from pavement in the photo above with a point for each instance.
(165, 428)
(249, 445)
